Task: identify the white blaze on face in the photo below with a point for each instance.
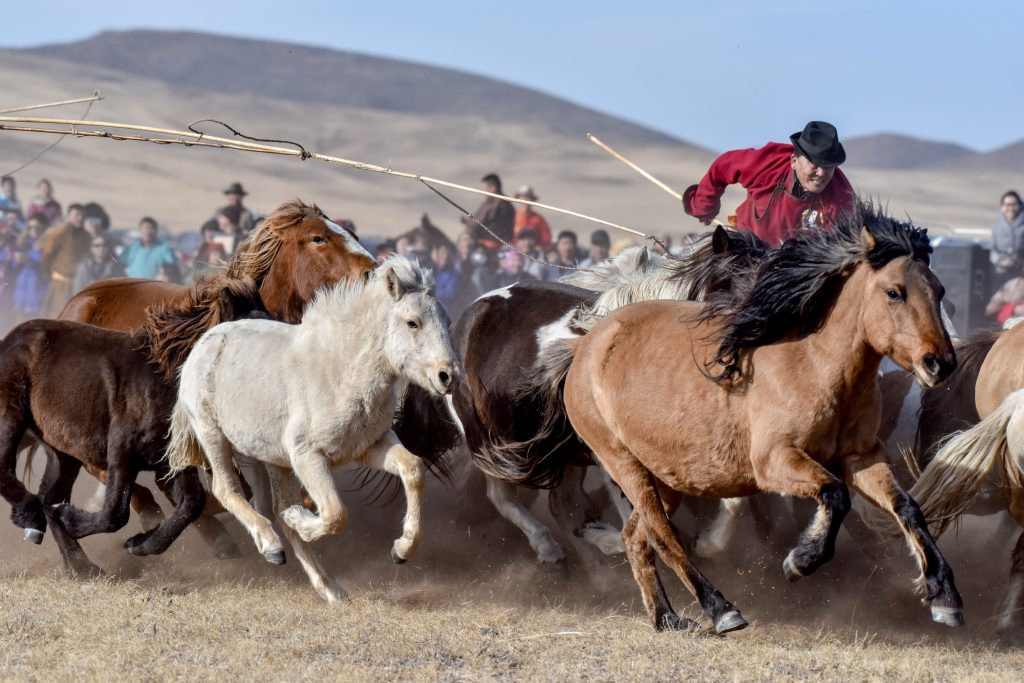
(352, 242)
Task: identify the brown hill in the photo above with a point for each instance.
(891, 151)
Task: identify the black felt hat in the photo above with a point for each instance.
(819, 142)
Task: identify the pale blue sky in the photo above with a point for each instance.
(722, 74)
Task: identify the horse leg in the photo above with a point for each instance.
(503, 496)
(713, 541)
(789, 470)
(871, 475)
(641, 558)
(226, 486)
(282, 487)
(116, 509)
(313, 471)
(566, 500)
(640, 487)
(254, 473)
(1011, 610)
(390, 455)
(55, 488)
(150, 514)
(26, 508)
(186, 491)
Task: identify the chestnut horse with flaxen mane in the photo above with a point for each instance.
(793, 408)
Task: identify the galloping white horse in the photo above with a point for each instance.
(306, 398)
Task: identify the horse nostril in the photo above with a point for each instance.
(931, 364)
(444, 377)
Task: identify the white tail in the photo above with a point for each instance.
(183, 450)
(951, 481)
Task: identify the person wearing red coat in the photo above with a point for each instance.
(788, 186)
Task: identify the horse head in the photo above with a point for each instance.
(901, 306)
(417, 335)
(297, 251)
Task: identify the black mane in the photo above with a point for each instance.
(794, 286)
(718, 260)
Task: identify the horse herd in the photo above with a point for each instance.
(735, 370)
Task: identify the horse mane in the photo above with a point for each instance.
(629, 265)
(330, 301)
(255, 255)
(950, 406)
(793, 289)
(173, 327)
(718, 259)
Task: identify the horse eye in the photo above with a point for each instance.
(318, 240)
(894, 294)
(412, 325)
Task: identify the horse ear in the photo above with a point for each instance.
(394, 286)
(720, 242)
(867, 240)
(642, 256)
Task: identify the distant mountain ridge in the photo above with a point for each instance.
(333, 77)
(890, 151)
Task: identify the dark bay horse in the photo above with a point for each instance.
(296, 251)
(771, 387)
(100, 398)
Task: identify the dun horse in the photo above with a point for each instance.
(305, 398)
(770, 388)
(99, 398)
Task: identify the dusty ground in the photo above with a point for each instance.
(473, 606)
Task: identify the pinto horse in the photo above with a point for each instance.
(296, 251)
(100, 398)
(770, 387)
(293, 398)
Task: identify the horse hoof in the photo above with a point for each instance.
(34, 535)
(730, 621)
(396, 558)
(274, 556)
(789, 569)
(674, 622)
(948, 616)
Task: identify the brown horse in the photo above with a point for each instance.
(793, 408)
(296, 251)
(99, 398)
(981, 470)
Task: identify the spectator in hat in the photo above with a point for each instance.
(497, 214)
(789, 186)
(528, 219)
(600, 244)
(145, 256)
(235, 219)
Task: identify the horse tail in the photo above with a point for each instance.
(953, 478)
(428, 429)
(173, 328)
(183, 450)
(539, 461)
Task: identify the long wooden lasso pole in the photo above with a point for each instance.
(645, 174)
(102, 129)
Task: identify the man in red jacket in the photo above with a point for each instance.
(788, 186)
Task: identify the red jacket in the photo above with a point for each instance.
(770, 211)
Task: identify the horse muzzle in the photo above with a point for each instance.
(931, 370)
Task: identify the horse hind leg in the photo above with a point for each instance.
(26, 508)
(503, 496)
(186, 491)
(640, 487)
(281, 484)
(55, 488)
(1011, 609)
(226, 487)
